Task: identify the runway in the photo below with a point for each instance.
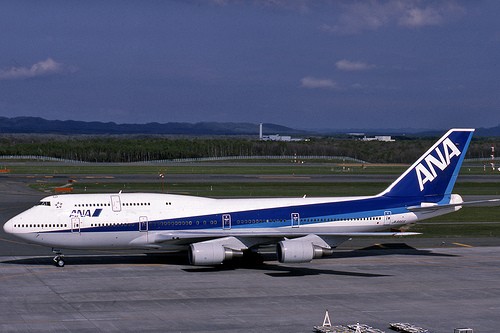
(424, 282)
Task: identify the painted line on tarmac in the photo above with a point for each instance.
(464, 245)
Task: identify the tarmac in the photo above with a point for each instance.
(435, 285)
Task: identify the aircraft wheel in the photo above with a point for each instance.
(59, 261)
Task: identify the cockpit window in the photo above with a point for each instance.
(44, 203)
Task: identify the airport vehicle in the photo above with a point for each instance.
(218, 230)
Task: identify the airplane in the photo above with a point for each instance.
(214, 231)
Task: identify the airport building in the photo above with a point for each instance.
(383, 138)
(276, 137)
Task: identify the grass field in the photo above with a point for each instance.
(217, 169)
(249, 189)
(454, 229)
(222, 169)
(230, 189)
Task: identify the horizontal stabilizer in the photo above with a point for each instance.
(433, 208)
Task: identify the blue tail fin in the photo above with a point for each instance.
(434, 174)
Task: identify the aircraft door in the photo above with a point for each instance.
(116, 204)
(75, 224)
(226, 221)
(295, 220)
(143, 224)
(387, 217)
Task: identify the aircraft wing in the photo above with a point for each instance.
(208, 234)
(434, 207)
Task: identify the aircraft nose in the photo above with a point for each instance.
(7, 227)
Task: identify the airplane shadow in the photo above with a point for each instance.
(388, 249)
(276, 270)
(279, 270)
(255, 262)
(115, 259)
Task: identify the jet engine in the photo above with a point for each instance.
(303, 249)
(209, 253)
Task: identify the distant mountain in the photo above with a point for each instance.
(492, 131)
(421, 132)
(69, 127)
(40, 125)
(388, 131)
(480, 132)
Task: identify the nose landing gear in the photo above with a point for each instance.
(59, 258)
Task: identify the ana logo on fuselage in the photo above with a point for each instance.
(85, 213)
(427, 173)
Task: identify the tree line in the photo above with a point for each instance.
(135, 149)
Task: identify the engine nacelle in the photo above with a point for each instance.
(300, 250)
(207, 254)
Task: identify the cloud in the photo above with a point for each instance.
(42, 68)
(420, 17)
(310, 82)
(357, 17)
(296, 5)
(437, 14)
(346, 65)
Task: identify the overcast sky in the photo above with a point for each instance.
(304, 64)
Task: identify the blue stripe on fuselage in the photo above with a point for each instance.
(273, 217)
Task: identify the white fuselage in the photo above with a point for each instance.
(147, 220)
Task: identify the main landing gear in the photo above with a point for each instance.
(59, 258)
